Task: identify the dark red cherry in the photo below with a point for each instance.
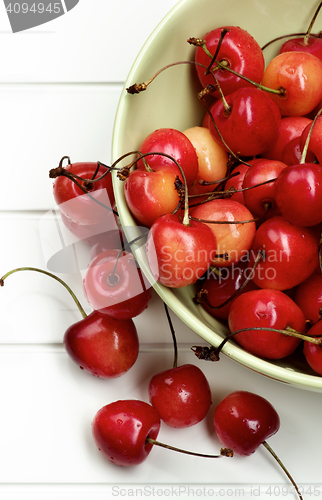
(244, 420)
(181, 395)
(120, 431)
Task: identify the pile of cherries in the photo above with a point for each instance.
(232, 206)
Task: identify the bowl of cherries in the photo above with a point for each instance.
(217, 179)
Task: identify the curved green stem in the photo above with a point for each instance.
(80, 308)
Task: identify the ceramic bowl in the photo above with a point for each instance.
(171, 101)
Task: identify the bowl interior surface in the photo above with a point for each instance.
(171, 101)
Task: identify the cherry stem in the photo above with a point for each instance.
(288, 36)
(280, 463)
(307, 142)
(224, 452)
(223, 33)
(81, 310)
(288, 331)
(210, 183)
(307, 36)
(202, 295)
(205, 221)
(175, 346)
(280, 91)
(219, 133)
(137, 88)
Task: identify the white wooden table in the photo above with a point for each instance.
(59, 88)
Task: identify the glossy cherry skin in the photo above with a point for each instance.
(299, 194)
(181, 395)
(313, 46)
(233, 240)
(77, 205)
(102, 346)
(292, 154)
(261, 199)
(174, 143)
(291, 253)
(300, 74)
(244, 420)
(313, 352)
(315, 143)
(308, 296)
(115, 286)
(178, 255)
(120, 430)
(236, 181)
(290, 128)
(212, 159)
(239, 50)
(266, 308)
(242, 127)
(151, 194)
(221, 288)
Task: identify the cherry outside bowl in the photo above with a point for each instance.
(171, 101)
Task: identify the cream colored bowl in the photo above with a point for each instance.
(171, 101)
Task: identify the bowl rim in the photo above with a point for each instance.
(264, 367)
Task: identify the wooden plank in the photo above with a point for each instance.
(48, 405)
(42, 123)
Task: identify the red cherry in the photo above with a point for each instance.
(102, 346)
(77, 205)
(315, 142)
(290, 128)
(243, 421)
(299, 194)
(261, 199)
(179, 254)
(313, 352)
(313, 46)
(239, 51)
(91, 234)
(266, 308)
(291, 253)
(115, 286)
(150, 194)
(236, 182)
(173, 143)
(181, 395)
(220, 288)
(292, 154)
(308, 296)
(241, 126)
(120, 431)
(299, 74)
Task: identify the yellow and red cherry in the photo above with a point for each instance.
(299, 74)
(150, 194)
(235, 237)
